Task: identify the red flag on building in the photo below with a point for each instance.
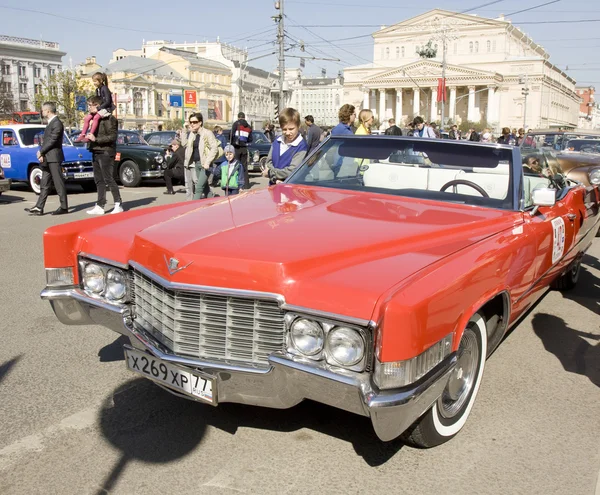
(441, 90)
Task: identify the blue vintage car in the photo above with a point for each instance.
(18, 147)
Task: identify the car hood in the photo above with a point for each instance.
(330, 250)
(75, 154)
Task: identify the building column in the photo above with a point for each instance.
(433, 117)
(471, 106)
(382, 105)
(152, 101)
(490, 117)
(452, 110)
(416, 102)
(366, 98)
(398, 114)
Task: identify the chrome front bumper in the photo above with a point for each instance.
(149, 174)
(286, 383)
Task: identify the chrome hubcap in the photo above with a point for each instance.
(462, 377)
(128, 174)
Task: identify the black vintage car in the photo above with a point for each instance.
(135, 159)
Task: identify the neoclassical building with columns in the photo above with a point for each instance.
(488, 63)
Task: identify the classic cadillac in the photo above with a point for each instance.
(381, 275)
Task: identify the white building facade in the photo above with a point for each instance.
(250, 87)
(488, 63)
(320, 97)
(24, 64)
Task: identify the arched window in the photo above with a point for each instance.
(477, 47)
(397, 52)
(470, 47)
(489, 46)
(387, 53)
(402, 52)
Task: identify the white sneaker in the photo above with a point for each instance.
(117, 209)
(96, 210)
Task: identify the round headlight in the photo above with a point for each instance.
(93, 278)
(116, 285)
(159, 159)
(345, 346)
(595, 176)
(307, 336)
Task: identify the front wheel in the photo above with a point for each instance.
(35, 179)
(449, 413)
(129, 174)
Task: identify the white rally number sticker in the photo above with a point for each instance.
(5, 161)
(558, 239)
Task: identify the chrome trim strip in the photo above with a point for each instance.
(326, 315)
(100, 259)
(224, 291)
(80, 295)
(152, 173)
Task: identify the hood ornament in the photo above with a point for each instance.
(173, 265)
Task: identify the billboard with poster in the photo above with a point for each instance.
(191, 99)
(215, 110)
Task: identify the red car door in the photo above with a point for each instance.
(553, 231)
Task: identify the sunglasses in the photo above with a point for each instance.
(194, 121)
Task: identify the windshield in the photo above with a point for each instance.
(436, 170)
(584, 145)
(552, 141)
(33, 118)
(130, 138)
(259, 138)
(33, 136)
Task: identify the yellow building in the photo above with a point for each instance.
(146, 87)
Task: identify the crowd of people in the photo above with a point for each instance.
(199, 157)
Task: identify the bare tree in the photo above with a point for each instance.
(63, 87)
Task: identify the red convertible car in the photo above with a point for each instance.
(376, 279)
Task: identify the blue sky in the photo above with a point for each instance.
(97, 28)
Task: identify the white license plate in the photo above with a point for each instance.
(192, 384)
(83, 175)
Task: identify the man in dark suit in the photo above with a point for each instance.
(51, 157)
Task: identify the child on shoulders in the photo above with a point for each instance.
(106, 108)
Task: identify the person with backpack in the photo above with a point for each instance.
(241, 137)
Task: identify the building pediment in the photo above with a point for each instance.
(431, 20)
(428, 70)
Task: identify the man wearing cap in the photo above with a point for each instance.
(231, 173)
(241, 137)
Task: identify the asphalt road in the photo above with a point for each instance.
(74, 421)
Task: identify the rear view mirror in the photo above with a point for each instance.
(543, 197)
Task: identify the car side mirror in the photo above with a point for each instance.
(542, 197)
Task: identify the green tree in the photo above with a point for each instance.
(62, 88)
(172, 125)
(7, 104)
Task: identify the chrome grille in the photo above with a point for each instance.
(209, 326)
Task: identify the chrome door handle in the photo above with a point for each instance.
(571, 216)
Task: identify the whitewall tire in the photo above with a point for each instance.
(449, 413)
(35, 179)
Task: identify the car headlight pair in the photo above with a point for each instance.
(339, 345)
(595, 176)
(103, 280)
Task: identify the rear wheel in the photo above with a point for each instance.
(449, 413)
(129, 174)
(35, 179)
(568, 280)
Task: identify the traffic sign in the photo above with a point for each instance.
(176, 100)
(81, 103)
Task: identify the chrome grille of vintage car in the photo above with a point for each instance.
(207, 326)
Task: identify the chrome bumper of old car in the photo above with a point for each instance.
(152, 173)
(5, 185)
(286, 382)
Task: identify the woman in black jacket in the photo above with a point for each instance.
(175, 159)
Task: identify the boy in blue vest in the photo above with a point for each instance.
(232, 173)
(288, 150)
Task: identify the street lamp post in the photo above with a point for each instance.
(524, 91)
